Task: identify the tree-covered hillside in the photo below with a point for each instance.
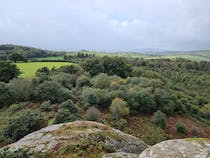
(155, 100)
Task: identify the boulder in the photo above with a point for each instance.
(81, 137)
(179, 148)
(120, 155)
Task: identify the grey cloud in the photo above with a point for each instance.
(106, 25)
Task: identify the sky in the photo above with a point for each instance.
(106, 25)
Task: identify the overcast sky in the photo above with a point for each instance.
(106, 25)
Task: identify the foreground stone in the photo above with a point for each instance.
(120, 155)
(179, 148)
(84, 134)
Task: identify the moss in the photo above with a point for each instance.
(201, 141)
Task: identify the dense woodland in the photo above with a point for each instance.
(111, 90)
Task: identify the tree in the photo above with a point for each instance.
(17, 57)
(93, 66)
(71, 69)
(118, 108)
(116, 66)
(8, 71)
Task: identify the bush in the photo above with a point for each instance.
(22, 89)
(70, 106)
(143, 102)
(23, 123)
(120, 124)
(93, 114)
(6, 97)
(44, 70)
(89, 97)
(52, 91)
(46, 106)
(104, 97)
(118, 108)
(6, 153)
(101, 81)
(65, 79)
(180, 128)
(71, 69)
(43, 74)
(83, 80)
(63, 115)
(195, 132)
(160, 119)
(16, 107)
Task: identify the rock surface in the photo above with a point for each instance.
(120, 155)
(75, 133)
(179, 148)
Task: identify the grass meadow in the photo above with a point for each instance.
(28, 69)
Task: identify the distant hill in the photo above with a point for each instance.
(30, 52)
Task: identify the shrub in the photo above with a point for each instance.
(83, 80)
(118, 108)
(89, 97)
(160, 119)
(6, 153)
(23, 123)
(104, 97)
(22, 89)
(44, 70)
(143, 102)
(6, 97)
(195, 132)
(71, 69)
(16, 107)
(120, 124)
(52, 91)
(101, 81)
(46, 106)
(69, 105)
(63, 115)
(65, 79)
(43, 74)
(180, 128)
(93, 114)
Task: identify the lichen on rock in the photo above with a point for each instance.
(80, 137)
(180, 148)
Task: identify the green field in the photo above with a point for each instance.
(51, 58)
(28, 69)
(197, 56)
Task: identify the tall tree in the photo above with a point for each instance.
(8, 71)
(17, 57)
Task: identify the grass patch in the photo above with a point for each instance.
(51, 58)
(28, 69)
